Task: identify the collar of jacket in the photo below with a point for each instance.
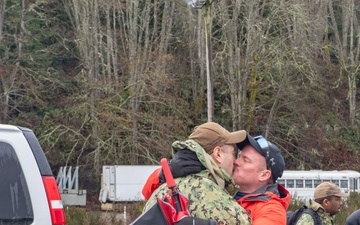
(318, 207)
(222, 178)
(260, 194)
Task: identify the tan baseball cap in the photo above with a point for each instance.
(326, 189)
(210, 134)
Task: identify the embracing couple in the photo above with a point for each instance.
(227, 176)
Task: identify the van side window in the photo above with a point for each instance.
(282, 182)
(316, 183)
(16, 204)
(299, 183)
(335, 182)
(289, 183)
(344, 184)
(353, 184)
(308, 184)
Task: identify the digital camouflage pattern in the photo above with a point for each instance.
(306, 219)
(207, 199)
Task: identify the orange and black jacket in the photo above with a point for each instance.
(267, 205)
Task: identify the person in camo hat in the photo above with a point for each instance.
(327, 202)
(211, 189)
(258, 165)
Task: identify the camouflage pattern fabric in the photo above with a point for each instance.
(306, 219)
(207, 199)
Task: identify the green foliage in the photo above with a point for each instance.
(295, 203)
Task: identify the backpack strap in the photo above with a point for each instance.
(313, 214)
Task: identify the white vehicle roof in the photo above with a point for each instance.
(320, 174)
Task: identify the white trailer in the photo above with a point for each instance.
(123, 183)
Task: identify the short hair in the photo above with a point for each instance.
(226, 148)
(321, 200)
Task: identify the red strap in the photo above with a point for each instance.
(167, 173)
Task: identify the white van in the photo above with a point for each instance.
(28, 190)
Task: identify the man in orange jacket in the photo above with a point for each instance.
(258, 166)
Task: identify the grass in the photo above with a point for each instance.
(83, 216)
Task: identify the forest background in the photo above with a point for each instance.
(115, 82)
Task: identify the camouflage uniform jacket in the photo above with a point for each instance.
(207, 199)
(325, 217)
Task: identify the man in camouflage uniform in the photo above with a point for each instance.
(211, 190)
(327, 202)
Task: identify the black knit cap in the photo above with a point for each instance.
(274, 160)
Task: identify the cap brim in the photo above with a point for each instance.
(236, 137)
(249, 140)
(342, 195)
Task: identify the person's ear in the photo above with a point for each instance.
(265, 175)
(217, 154)
(325, 202)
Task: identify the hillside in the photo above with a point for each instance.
(119, 86)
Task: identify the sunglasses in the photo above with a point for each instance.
(265, 149)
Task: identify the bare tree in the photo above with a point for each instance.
(122, 37)
(10, 69)
(2, 17)
(348, 49)
(262, 49)
(233, 65)
(86, 20)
